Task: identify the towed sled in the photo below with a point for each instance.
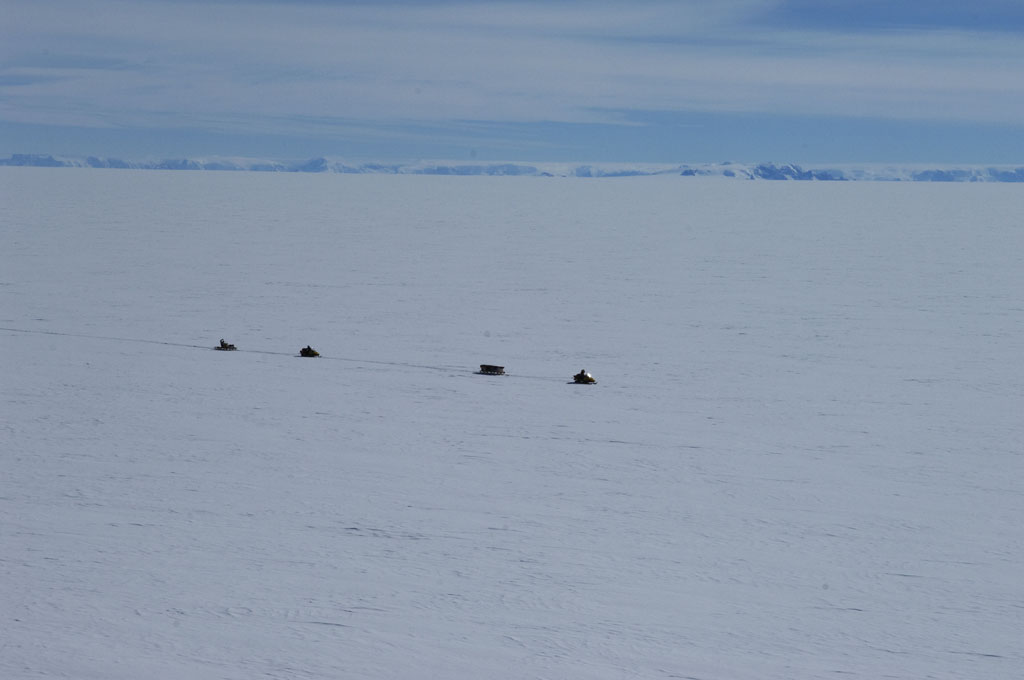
(225, 346)
(308, 351)
(490, 369)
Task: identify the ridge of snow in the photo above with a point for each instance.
(729, 170)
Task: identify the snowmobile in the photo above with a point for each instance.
(225, 346)
(489, 369)
(308, 351)
(583, 378)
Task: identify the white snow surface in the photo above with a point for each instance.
(802, 459)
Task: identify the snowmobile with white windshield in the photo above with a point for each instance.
(583, 378)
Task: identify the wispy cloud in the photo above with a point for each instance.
(277, 65)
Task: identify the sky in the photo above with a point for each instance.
(811, 81)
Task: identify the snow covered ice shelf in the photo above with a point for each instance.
(802, 459)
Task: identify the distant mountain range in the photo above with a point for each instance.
(762, 171)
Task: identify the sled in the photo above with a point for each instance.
(489, 369)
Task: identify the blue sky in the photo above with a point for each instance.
(646, 81)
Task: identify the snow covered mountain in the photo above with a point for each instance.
(769, 171)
